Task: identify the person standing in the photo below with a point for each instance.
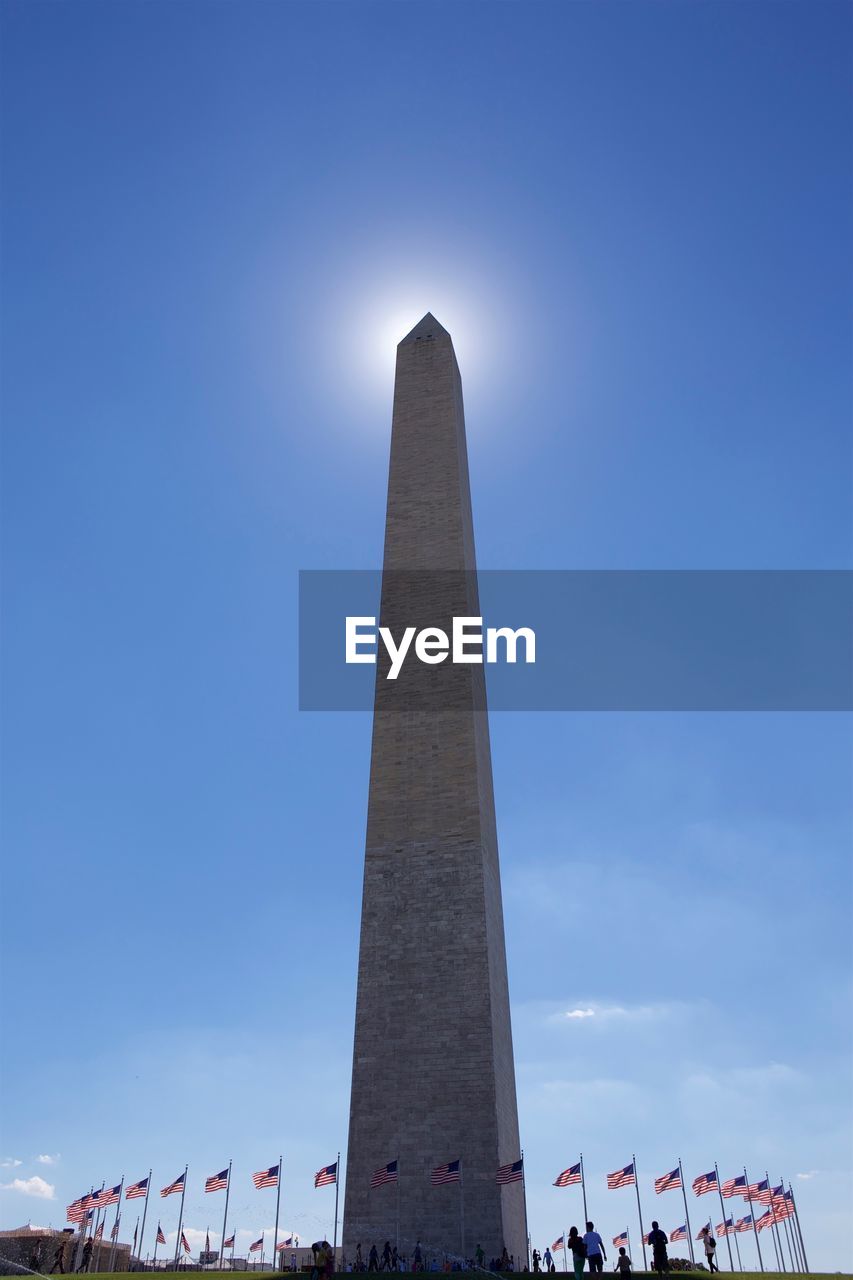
(658, 1242)
(710, 1246)
(548, 1260)
(594, 1248)
(373, 1259)
(623, 1263)
(537, 1258)
(578, 1248)
(480, 1256)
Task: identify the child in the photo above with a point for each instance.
(623, 1264)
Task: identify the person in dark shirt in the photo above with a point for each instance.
(578, 1248)
(59, 1259)
(658, 1241)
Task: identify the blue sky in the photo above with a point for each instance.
(218, 220)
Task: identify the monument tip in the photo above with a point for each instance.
(426, 328)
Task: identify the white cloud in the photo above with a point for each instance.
(48, 1159)
(616, 1012)
(10, 1163)
(811, 1174)
(34, 1186)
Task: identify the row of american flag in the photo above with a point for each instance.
(103, 1198)
(449, 1172)
(779, 1201)
(86, 1210)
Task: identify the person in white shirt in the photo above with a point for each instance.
(594, 1248)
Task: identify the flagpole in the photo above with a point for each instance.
(181, 1217)
(156, 1242)
(737, 1246)
(115, 1224)
(628, 1238)
(752, 1215)
(639, 1211)
(144, 1211)
(778, 1240)
(524, 1193)
(135, 1235)
(583, 1190)
(794, 1266)
(723, 1207)
(461, 1212)
(565, 1252)
(277, 1203)
(337, 1189)
(799, 1228)
(797, 1250)
(686, 1214)
(794, 1252)
(225, 1215)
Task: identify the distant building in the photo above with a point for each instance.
(24, 1245)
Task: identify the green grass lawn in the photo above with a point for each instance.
(461, 1275)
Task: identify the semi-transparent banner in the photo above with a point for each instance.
(555, 640)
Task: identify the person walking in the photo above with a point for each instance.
(548, 1260)
(710, 1246)
(578, 1248)
(658, 1242)
(623, 1263)
(373, 1259)
(537, 1258)
(87, 1255)
(58, 1260)
(594, 1248)
(386, 1257)
(480, 1256)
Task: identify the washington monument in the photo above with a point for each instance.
(433, 1079)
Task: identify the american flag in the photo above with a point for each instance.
(734, 1186)
(622, 1177)
(569, 1176)
(281, 1246)
(680, 1233)
(76, 1211)
(669, 1182)
(705, 1182)
(185, 1244)
(217, 1182)
(173, 1187)
(114, 1232)
(327, 1175)
(99, 1234)
(511, 1173)
(266, 1177)
(702, 1230)
(388, 1173)
(136, 1190)
(759, 1191)
(229, 1243)
(290, 1239)
(558, 1244)
(725, 1228)
(446, 1173)
(112, 1195)
(256, 1246)
(766, 1220)
(620, 1240)
(161, 1239)
(744, 1224)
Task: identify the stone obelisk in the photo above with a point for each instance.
(433, 1077)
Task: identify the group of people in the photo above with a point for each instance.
(58, 1263)
(589, 1248)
